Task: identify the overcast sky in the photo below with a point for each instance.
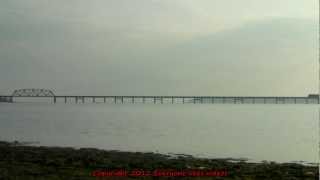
(160, 47)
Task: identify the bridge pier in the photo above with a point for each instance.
(65, 99)
(54, 99)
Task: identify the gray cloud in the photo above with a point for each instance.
(82, 48)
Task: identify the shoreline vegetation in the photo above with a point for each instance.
(23, 161)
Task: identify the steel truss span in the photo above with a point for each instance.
(32, 93)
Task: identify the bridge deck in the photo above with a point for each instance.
(175, 99)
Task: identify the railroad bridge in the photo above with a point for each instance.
(46, 93)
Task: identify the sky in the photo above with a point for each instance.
(160, 47)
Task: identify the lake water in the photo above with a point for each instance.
(281, 133)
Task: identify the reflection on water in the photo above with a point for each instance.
(259, 132)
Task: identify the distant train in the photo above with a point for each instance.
(313, 96)
(6, 99)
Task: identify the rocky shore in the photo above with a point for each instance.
(21, 161)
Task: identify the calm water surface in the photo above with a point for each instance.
(280, 133)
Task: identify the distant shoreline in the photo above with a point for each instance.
(21, 161)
